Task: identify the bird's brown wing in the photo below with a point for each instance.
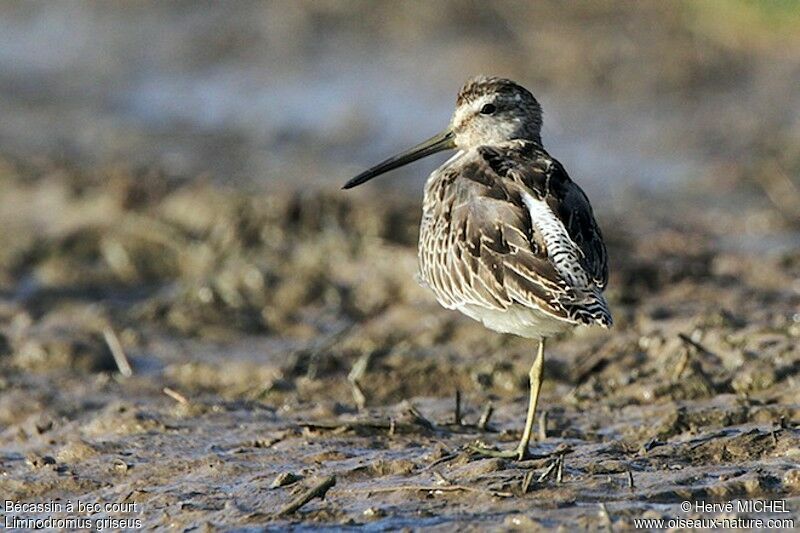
(480, 245)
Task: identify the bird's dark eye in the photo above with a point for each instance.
(488, 109)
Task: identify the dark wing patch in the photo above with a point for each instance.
(570, 204)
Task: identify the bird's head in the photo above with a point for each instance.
(488, 111)
(494, 110)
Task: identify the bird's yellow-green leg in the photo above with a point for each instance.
(535, 376)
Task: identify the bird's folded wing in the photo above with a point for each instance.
(517, 232)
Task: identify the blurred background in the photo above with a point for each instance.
(648, 95)
(171, 217)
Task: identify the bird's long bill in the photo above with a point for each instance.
(437, 143)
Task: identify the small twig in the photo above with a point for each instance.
(483, 423)
(681, 366)
(437, 462)
(526, 481)
(117, 352)
(560, 471)
(549, 471)
(630, 480)
(699, 347)
(400, 425)
(417, 418)
(652, 443)
(360, 367)
(175, 395)
(777, 430)
(358, 371)
(446, 488)
(542, 434)
(358, 395)
(457, 413)
(317, 491)
(604, 514)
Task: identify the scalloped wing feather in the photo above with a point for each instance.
(505, 226)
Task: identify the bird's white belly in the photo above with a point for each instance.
(517, 320)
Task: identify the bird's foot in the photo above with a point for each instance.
(519, 453)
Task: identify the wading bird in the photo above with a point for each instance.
(507, 238)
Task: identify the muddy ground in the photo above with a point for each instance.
(213, 346)
(279, 338)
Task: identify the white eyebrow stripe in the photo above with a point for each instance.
(463, 112)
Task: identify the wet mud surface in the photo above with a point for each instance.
(277, 339)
